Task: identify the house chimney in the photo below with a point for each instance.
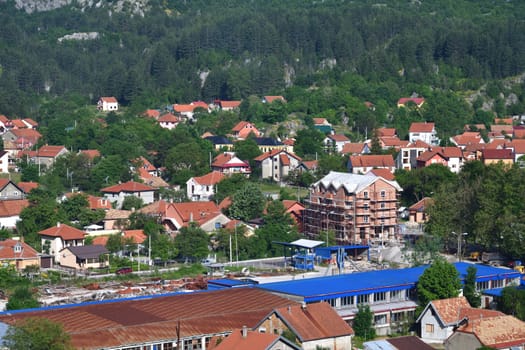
(303, 305)
(289, 309)
(244, 331)
(58, 224)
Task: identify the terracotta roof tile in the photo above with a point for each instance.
(386, 132)
(372, 161)
(497, 332)
(270, 99)
(109, 99)
(315, 321)
(310, 164)
(115, 214)
(404, 100)
(353, 148)
(168, 118)
(338, 137)
(64, 231)
(209, 179)
(50, 151)
(18, 123)
(91, 153)
(152, 113)
(229, 104)
(497, 153)
(13, 207)
(27, 186)
(384, 173)
(273, 153)
(252, 340)
(130, 186)
(448, 309)
(421, 127)
(7, 250)
(320, 121)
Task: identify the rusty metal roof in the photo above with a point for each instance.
(141, 320)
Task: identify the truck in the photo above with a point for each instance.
(493, 258)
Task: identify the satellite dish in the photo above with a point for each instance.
(245, 271)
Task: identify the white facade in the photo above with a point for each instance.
(197, 192)
(56, 244)
(4, 162)
(428, 137)
(107, 104)
(146, 196)
(9, 221)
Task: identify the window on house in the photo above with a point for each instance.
(482, 285)
(381, 296)
(365, 219)
(429, 328)
(365, 194)
(396, 295)
(396, 317)
(497, 284)
(379, 319)
(383, 194)
(362, 299)
(382, 205)
(345, 301)
(365, 207)
(207, 188)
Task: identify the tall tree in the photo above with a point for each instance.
(362, 325)
(247, 203)
(439, 281)
(469, 287)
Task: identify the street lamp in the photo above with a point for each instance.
(460, 239)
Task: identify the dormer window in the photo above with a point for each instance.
(18, 247)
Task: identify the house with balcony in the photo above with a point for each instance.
(357, 208)
(58, 237)
(425, 132)
(334, 143)
(243, 129)
(117, 193)
(407, 157)
(202, 188)
(277, 164)
(228, 163)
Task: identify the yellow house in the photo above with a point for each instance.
(17, 253)
(84, 257)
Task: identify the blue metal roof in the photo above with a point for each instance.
(321, 288)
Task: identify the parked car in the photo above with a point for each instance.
(124, 271)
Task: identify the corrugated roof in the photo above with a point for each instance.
(252, 341)
(127, 322)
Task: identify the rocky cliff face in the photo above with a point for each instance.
(134, 7)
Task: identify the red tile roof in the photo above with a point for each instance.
(138, 236)
(152, 113)
(91, 153)
(275, 152)
(497, 153)
(310, 164)
(428, 155)
(314, 321)
(422, 205)
(421, 127)
(50, 151)
(12, 207)
(449, 152)
(384, 173)
(98, 203)
(252, 341)
(27, 186)
(507, 121)
(393, 141)
(368, 160)
(64, 231)
(386, 132)
(338, 137)
(320, 121)
(270, 99)
(168, 118)
(130, 186)
(353, 148)
(284, 159)
(109, 99)
(416, 100)
(130, 322)
(448, 309)
(7, 250)
(18, 123)
(209, 179)
(496, 332)
(229, 104)
(241, 125)
(31, 122)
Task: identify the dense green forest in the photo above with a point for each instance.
(243, 48)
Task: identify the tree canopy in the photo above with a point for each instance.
(439, 281)
(37, 334)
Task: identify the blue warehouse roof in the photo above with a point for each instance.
(321, 288)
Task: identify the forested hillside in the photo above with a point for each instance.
(184, 50)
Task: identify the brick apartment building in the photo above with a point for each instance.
(358, 208)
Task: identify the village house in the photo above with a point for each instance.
(247, 339)
(168, 121)
(27, 186)
(323, 125)
(243, 129)
(358, 208)
(425, 132)
(362, 164)
(440, 318)
(227, 105)
(407, 156)
(493, 156)
(228, 163)
(56, 238)
(4, 162)
(271, 99)
(9, 190)
(174, 216)
(18, 254)
(107, 104)
(354, 149)
(267, 144)
(388, 142)
(187, 111)
(382, 172)
(417, 212)
(202, 188)
(118, 193)
(451, 157)
(277, 164)
(10, 212)
(116, 219)
(335, 143)
(16, 140)
(220, 143)
(467, 138)
(84, 257)
(5, 124)
(316, 326)
(46, 155)
(406, 101)
(503, 332)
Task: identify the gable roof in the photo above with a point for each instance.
(338, 137)
(271, 99)
(90, 153)
(421, 205)
(353, 148)
(320, 121)
(352, 183)
(253, 341)
(404, 100)
(421, 127)
(130, 186)
(310, 164)
(372, 160)
(63, 231)
(209, 179)
(228, 159)
(314, 321)
(386, 132)
(383, 172)
(229, 104)
(27, 186)
(428, 155)
(115, 323)
(18, 123)
(109, 99)
(50, 151)
(273, 153)
(12, 207)
(168, 118)
(505, 153)
(7, 250)
(243, 124)
(151, 113)
(497, 332)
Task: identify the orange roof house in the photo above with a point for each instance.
(242, 339)
(499, 332)
(228, 105)
(168, 121)
(243, 129)
(418, 211)
(382, 172)
(467, 138)
(16, 140)
(18, 254)
(491, 156)
(91, 154)
(10, 212)
(404, 101)
(270, 99)
(56, 238)
(315, 324)
(295, 209)
(202, 188)
(277, 164)
(228, 164)
(27, 186)
(440, 317)
(388, 132)
(355, 148)
(364, 163)
(107, 104)
(117, 193)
